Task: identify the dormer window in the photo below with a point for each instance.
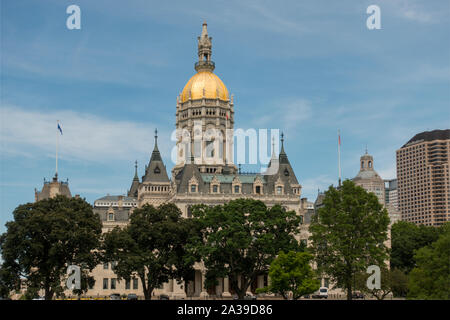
(193, 188)
(111, 216)
(236, 189)
(215, 188)
(279, 190)
(157, 170)
(286, 172)
(258, 189)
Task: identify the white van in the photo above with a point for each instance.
(321, 294)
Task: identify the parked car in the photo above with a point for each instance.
(132, 296)
(163, 297)
(357, 295)
(321, 294)
(114, 296)
(306, 296)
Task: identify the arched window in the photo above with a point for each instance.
(370, 164)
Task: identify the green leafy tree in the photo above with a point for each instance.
(348, 234)
(154, 246)
(406, 238)
(45, 238)
(241, 238)
(292, 273)
(399, 283)
(430, 279)
(392, 281)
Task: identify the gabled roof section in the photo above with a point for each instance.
(184, 176)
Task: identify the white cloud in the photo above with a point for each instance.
(412, 10)
(85, 136)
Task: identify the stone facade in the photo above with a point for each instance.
(53, 188)
(369, 179)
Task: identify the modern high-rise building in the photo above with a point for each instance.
(391, 192)
(391, 199)
(423, 178)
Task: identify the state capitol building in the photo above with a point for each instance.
(204, 174)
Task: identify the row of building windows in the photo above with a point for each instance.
(156, 188)
(112, 284)
(115, 204)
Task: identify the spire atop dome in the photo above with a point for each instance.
(204, 30)
(204, 51)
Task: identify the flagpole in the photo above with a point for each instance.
(339, 155)
(57, 142)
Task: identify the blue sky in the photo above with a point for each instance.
(308, 68)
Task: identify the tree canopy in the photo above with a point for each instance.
(348, 234)
(291, 273)
(393, 281)
(44, 239)
(406, 238)
(241, 238)
(153, 247)
(430, 279)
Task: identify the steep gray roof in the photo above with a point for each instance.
(430, 136)
(116, 198)
(133, 192)
(184, 175)
(156, 170)
(119, 214)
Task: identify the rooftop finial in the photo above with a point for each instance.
(366, 149)
(204, 51)
(156, 137)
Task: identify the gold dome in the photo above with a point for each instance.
(212, 85)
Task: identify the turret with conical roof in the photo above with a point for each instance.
(156, 170)
(284, 175)
(133, 192)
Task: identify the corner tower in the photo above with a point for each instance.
(205, 117)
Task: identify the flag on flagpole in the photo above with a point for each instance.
(339, 136)
(59, 128)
